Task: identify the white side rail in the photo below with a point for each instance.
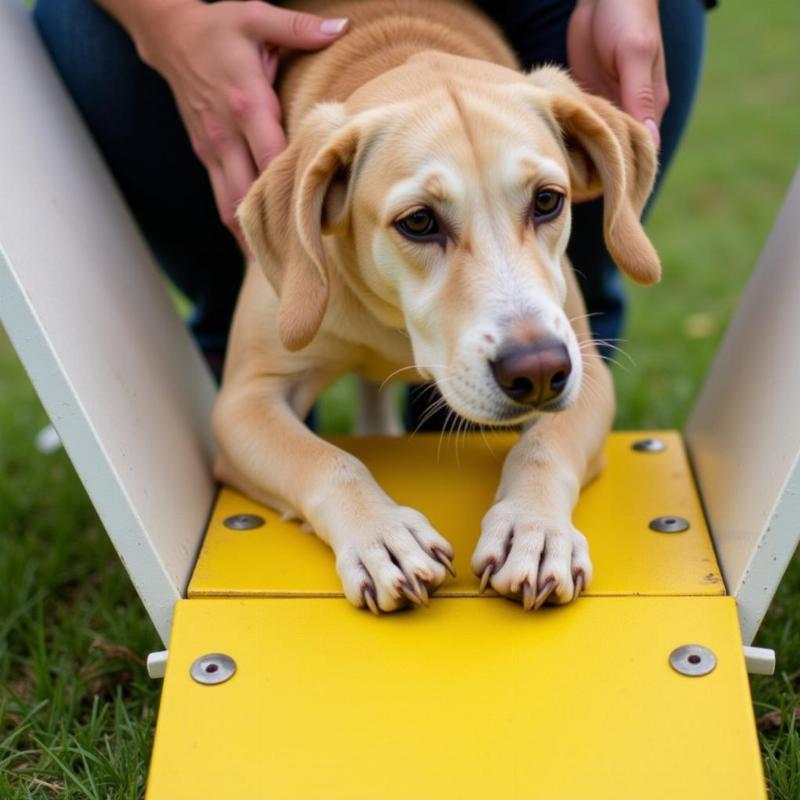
(87, 312)
(744, 431)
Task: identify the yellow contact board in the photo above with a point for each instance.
(453, 485)
(472, 698)
(467, 700)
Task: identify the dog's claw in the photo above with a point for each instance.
(444, 561)
(422, 591)
(487, 574)
(579, 581)
(368, 593)
(408, 592)
(544, 593)
(528, 596)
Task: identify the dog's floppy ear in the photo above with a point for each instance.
(301, 195)
(609, 153)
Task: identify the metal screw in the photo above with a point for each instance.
(213, 668)
(693, 660)
(670, 524)
(649, 446)
(243, 522)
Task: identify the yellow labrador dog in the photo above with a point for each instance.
(419, 216)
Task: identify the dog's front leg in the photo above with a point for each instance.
(387, 555)
(529, 548)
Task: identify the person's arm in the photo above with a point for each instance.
(614, 49)
(220, 62)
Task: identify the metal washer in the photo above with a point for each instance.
(243, 522)
(693, 660)
(649, 446)
(669, 524)
(213, 668)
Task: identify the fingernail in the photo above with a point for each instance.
(332, 27)
(650, 124)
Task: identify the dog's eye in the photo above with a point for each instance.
(547, 205)
(420, 226)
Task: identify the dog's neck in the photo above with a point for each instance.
(383, 35)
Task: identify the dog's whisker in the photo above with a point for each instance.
(582, 274)
(609, 340)
(603, 342)
(607, 360)
(604, 339)
(432, 409)
(410, 367)
(587, 340)
(585, 316)
(482, 429)
(442, 433)
(590, 389)
(466, 429)
(600, 343)
(458, 424)
(429, 392)
(428, 415)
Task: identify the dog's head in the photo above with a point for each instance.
(440, 193)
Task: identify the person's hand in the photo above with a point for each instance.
(220, 62)
(614, 49)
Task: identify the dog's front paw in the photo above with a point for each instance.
(530, 557)
(392, 558)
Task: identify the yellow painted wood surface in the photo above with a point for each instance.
(454, 486)
(467, 700)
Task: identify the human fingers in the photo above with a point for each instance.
(259, 123)
(226, 156)
(636, 61)
(239, 172)
(279, 26)
(269, 63)
(207, 155)
(660, 87)
(219, 189)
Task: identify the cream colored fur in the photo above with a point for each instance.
(421, 104)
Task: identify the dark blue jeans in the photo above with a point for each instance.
(132, 115)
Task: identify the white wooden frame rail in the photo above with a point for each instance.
(744, 431)
(85, 308)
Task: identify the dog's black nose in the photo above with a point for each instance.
(534, 374)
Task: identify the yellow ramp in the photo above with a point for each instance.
(469, 699)
(472, 697)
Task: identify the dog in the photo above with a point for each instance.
(418, 219)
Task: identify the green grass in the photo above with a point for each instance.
(76, 709)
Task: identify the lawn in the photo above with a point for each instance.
(76, 708)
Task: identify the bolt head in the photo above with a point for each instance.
(669, 524)
(649, 446)
(693, 660)
(212, 668)
(243, 522)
